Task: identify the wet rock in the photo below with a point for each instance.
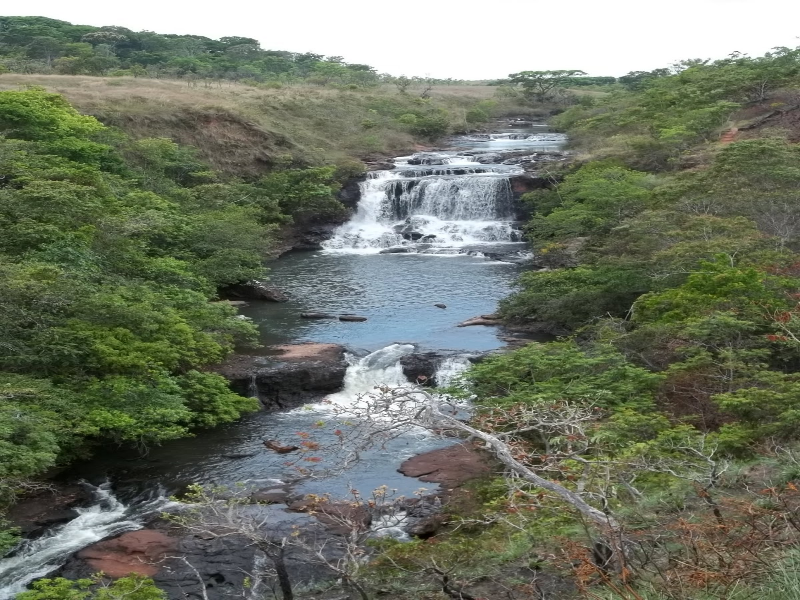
(352, 318)
(395, 250)
(270, 496)
(479, 321)
(426, 158)
(314, 315)
(350, 192)
(293, 375)
(413, 235)
(428, 238)
(440, 305)
(421, 367)
(280, 448)
(34, 513)
(255, 290)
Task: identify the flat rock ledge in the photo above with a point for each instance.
(450, 467)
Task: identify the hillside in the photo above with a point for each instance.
(244, 130)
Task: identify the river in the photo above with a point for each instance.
(429, 231)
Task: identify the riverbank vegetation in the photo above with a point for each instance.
(672, 254)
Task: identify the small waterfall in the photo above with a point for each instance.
(38, 557)
(381, 367)
(451, 369)
(431, 202)
(252, 388)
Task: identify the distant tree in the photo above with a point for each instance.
(539, 85)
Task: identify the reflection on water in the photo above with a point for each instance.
(395, 292)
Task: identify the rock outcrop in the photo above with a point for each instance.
(293, 375)
(254, 290)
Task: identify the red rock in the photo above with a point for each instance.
(451, 466)
(132, 552)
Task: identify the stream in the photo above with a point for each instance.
(438, 228)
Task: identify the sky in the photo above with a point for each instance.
(466, 39)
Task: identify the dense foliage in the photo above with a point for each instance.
(111, 252)
(673, 259)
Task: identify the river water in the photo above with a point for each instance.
(424, 233)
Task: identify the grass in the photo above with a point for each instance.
(243, 129)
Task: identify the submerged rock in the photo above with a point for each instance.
(352, 318)
(440, 305)
(314, 315)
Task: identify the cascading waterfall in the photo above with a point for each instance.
(431, 203)
(38, 557)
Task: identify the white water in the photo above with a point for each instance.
(429, 203)
(36, 558)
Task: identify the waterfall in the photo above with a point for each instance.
(38, 557)
(252, 388)
(381, 367)
(431, 202)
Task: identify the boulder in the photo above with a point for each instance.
(421, 367)
(255, 290)
(413, 235)
(315, 315)
(395, 250)
(440, 305)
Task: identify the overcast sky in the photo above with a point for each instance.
(469, 39)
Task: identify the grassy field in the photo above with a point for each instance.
(243, 130)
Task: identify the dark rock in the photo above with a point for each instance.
(426, 158)
(34, 513)
(316, 316)
(421, 367)
(395, 250)
(296, 374)
(350, 192)
(352, 318)
(428, 238)
(255, 290)
(440, 305)
(413, 235)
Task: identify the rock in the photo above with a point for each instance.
(36, 512)
(479, 321)
(451, 466)
(395, 250)
(413, 235)
(428, 238)
(238, 455)
(270, 496)
(132, 552)
(293, 375)
(352, 318)
(255, 290)
(440, 305)
(314, 315)
(350, 192)
(279, 448)
(421, 367)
